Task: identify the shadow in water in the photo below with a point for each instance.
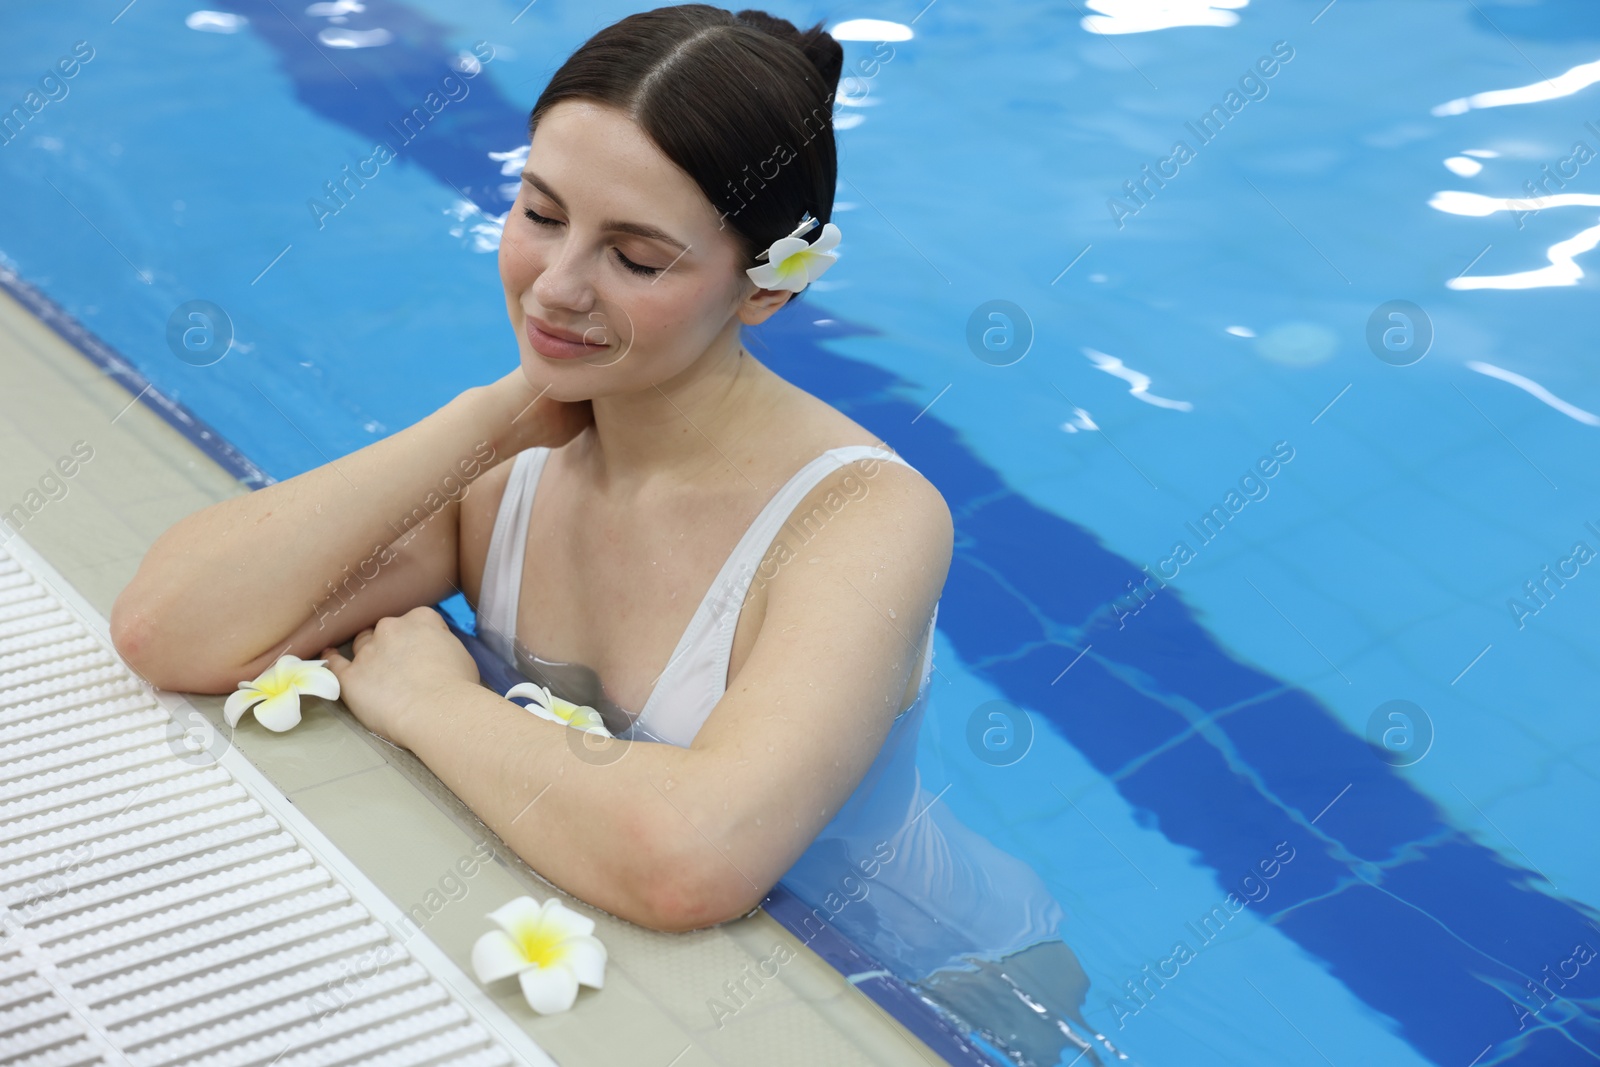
(1042, 1014)
(970, 927)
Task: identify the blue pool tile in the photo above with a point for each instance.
(1055, 579)
(978, 592)
(1450, 996)
(1126, 724)
(1164, 639)
(1307, 759)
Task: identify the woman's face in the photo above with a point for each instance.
(616, 272)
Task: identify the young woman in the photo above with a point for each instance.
(743, 576)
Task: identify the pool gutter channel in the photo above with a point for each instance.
(130, 908)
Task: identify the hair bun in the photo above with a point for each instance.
(825, 53)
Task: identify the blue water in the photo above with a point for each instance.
(1430, 885)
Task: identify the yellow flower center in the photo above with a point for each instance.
(538, 946)
(275, 686)
(794, 264)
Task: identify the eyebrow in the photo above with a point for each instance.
(638, 229)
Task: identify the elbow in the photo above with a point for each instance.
(141, 640)
(134, 637)
(689, 886)
(137, 638)
(677, 905)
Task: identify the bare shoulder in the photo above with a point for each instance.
(821, 427)
(870, 516)
(872, 511)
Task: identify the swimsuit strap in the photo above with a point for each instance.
(696, 676)
(508, 544)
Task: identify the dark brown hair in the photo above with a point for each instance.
(742, 103)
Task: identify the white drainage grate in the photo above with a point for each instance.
(159, 906)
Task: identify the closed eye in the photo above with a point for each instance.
(628, 264)
(637, 268)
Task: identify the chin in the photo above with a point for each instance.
(566, 382)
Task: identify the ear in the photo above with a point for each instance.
(759, 305)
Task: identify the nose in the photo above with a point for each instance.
(564, 282)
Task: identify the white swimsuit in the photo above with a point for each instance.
(696, 676)
(947, 894)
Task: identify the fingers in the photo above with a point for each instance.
(334, 661)
(423, 611)
(361, 639)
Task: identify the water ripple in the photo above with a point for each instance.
(1138, 383)
(1143, 16)
(1580, 77)
(1535, 389)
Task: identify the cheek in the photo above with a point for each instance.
(688, 316)
(518, 260)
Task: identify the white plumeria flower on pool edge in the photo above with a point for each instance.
(549, 947)
(547, 705)
(276, 694)
(794, 263)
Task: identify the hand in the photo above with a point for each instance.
(527, 417)
(399, 669)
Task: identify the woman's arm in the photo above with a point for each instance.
(588, 821)
(308, 562)
(679, 838)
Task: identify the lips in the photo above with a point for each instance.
(554, 343)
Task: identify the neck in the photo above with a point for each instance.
(675, 429)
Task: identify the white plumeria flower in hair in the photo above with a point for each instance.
(549, 947)
(547, 705)
(276, 694)
(793, 263)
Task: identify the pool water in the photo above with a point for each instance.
(1249, 342)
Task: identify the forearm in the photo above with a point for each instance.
(230, 583)
(602, 831)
